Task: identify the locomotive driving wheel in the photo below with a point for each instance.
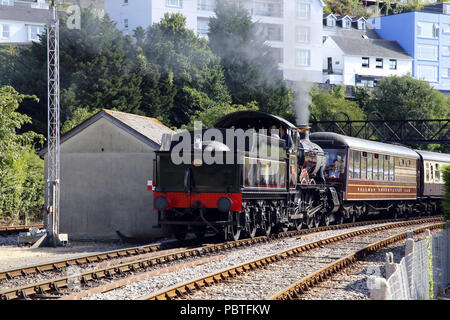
(250, 220)
(233, 231)
(311, 220)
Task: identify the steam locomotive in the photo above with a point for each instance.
(255, 173)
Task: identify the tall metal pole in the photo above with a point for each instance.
(53, 183)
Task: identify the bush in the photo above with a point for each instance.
(446, 200)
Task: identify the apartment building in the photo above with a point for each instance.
(425, 35)
(355, 55)
(22, 21)
(293, 28)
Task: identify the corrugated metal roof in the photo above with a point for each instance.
(330, 138)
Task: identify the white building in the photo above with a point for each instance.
(363, 61)
(22, 21)
(293, 28)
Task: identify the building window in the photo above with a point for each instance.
(361, 25)
(303, 58)
(392, 64)
(365, 62)
(174, 3)
(445, 73)
(379, 63)
(446, 28)
(302, 34)
(427, 52)
(427, 29)
(427, 73)
(446, 9)
(272, 32)
(277, 54)
(269, 8)
(302, 10)
(5, 31)
(34, 32)
(347, 23)
(202, 27)
(125, 23)
(206, 5)
(331, 22)
(125, 1)
(446, 50)
(7, 2)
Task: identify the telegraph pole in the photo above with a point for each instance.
(53, 155)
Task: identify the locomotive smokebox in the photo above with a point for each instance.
(304, 131)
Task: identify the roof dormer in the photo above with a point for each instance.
(344, 22)
(329, 20)
(359, 23)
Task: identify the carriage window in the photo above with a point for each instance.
(427, 171)
(391, 169)
(401, 162)
(357, 165)
(335, 163)
(364, 165)
(386, 168)
(375, 167)
(408, 163)
(369, 166)
(350, 165)
(431, 173)
(437, 173)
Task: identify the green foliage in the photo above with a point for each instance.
(96, 70)
(326, 105)
(79, 115)
(251, 73)
(21, 171)
(210, 116)
(346, 7)
(396, 96)
(446, 200)
(181, 68)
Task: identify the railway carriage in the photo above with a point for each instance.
(431, 182)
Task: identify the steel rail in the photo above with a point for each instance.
(6, 229)
(108, 272)
(138, 250)
(216, 277)
(298, 288)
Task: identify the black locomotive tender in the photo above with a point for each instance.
(274, 183)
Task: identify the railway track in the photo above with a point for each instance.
(7, 230)
(145, 260)
(248, 281)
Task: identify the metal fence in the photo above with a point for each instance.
(422, 274)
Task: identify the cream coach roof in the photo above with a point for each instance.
(337, 140)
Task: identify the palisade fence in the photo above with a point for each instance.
(412, 279)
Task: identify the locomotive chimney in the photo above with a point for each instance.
(304, 131)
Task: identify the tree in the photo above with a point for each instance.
(209, 117)
(97, 71)
(326, 105)
(396, 96)
(446, 200)
(21, 171)
(181, 69)
(251, 73)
